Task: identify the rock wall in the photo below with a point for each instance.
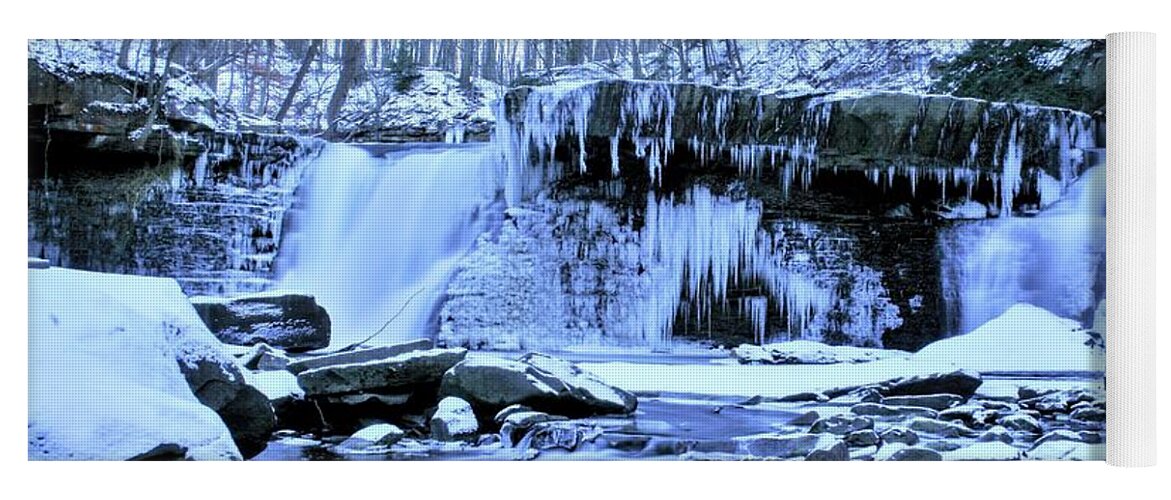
(212, 221)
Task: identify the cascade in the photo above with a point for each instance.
(1052, 260)
(370, 235)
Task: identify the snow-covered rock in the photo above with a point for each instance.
(805, 352)
(910, 454)
(1025, 338)
(1021, 422)
(453, 420)
(901, 435)
(937, 402)
(538, 381)
(396, 373)
(996, 433)
(359, 356)
(290, 322)
(106, 360)
(374, 436)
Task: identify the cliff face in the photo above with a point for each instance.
(213, 222)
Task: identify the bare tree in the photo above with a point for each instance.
(467, 66)
(488, 63)
(158, 91)
(124, 54)
(353, 58)
(635, 60)
(306, 62)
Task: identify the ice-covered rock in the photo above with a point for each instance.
(863, 438)
(516, 424)
(538, 381)
(108, 352)
(290, 322)
(393, 374)
(453, 420)
(885, 411)
(1025, 338)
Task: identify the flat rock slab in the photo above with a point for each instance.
(359, 356)
(391, 374)
(538, 381)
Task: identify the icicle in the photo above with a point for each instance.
(1010, 180)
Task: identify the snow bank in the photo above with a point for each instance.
(1025, 338)
(104, 383)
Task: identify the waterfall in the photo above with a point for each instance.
(371, 235)
(1053, 260)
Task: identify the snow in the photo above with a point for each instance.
(809, 352)
(1025, 338)
(275, 384)
(104, 381)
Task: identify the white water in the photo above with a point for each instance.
(368, 233)
(1051, 260)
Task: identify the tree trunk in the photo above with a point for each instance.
(734, 60)
(124, 54)
(158, 92)
(467, 64)
(684, 67)
(353, 58)
(271, 47)
(635, 61)
(488, 69)
(423, 53)
(305, 64)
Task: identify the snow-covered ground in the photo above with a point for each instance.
(104, 381)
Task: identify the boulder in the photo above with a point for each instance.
(960, 383)
(220, 385)
(862, 438)
(291, 322)
(105, 353)
(453, 420)
(841, 424)
(937, 402)
(538, 381)
(1089, 414)
(515, 425)
(380, 435)
(829, 452)
(393, 375)
(359, 356)
(985, 451)
(805, 419)
(1021, 422)
(891, 412)
(940, 428)
(914, 454)
(998, 433)
(784, 445)
(900, 435)
(264, 358)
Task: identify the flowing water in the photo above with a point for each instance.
(379, 229)
(1054, 260)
